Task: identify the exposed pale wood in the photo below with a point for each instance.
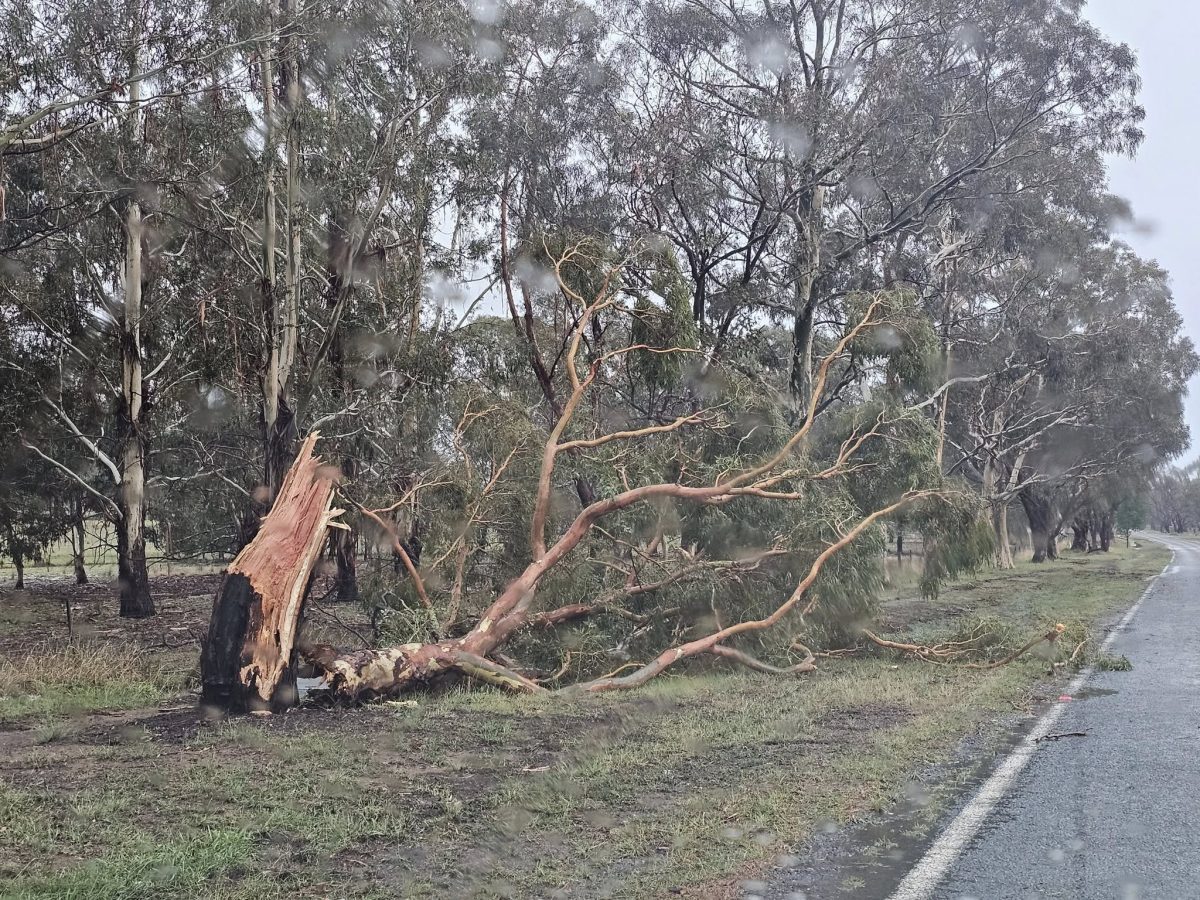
(248, 656)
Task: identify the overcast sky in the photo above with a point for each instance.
(1163, 183)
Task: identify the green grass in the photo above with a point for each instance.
(678, 786)
(180, 867)
(1077, 587)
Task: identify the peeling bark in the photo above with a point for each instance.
(367, 674)
(134, 580)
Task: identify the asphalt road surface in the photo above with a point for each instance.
(1114, 814)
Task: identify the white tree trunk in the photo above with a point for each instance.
(136, 601)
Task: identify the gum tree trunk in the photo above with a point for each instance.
(280, 308)
(248, 658)
(136, 602)
(1106, 531)
(808, 264)
(1004, 556)
(18, 559)
(1039, 511)
(1079, 540)
(134, 581)
(79, 543)
(994, 484)
(343, 546)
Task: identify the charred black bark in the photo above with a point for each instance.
(133, 581)
(802, 342)
(584, 491)
(342, 545)
(412, 547)
(280, 445)
(248, 657)
(221, 655)
(278, 452)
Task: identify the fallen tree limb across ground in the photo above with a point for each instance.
(949, 652)
(811, 463)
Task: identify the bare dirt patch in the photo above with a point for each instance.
(37, 615)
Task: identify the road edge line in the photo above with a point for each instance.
(931, 869)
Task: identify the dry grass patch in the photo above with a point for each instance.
(77, 677)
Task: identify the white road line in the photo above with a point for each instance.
(924, 877)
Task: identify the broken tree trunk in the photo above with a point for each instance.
(247, 659)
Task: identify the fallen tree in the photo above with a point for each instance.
(844, 471)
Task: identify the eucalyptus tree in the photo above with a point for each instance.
(814, 133)
(1173, 499)
(89, 238)
(390, 223)
(717, 527)
(1089, 370)
(1127, 364)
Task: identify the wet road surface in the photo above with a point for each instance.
(1111, 815)
(1114, 814)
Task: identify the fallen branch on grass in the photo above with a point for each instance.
(1072, 660)
(255, 621)
(808, 664)
(947, 653)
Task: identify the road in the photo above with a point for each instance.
(1114, 814)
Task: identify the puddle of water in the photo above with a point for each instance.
(1088, 693)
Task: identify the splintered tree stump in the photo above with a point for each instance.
(247, 660)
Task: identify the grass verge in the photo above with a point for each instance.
(663, 791)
